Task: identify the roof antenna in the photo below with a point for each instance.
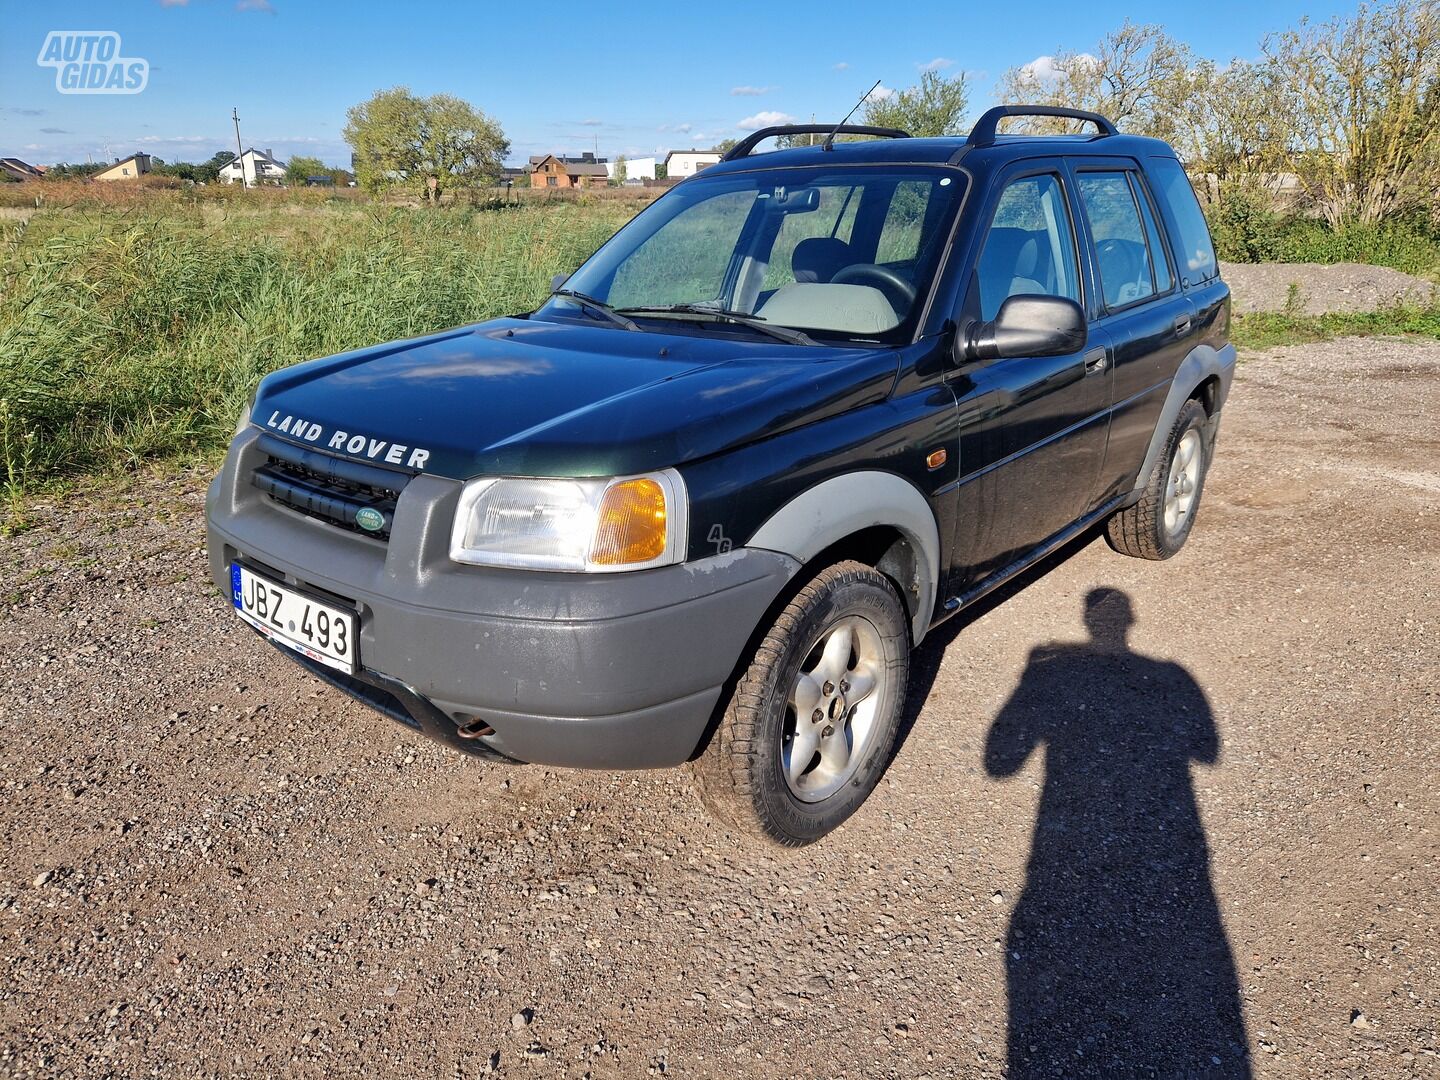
(829, 142)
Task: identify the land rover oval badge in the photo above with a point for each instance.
(369, 519)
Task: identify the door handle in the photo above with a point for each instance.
(1182, 325)
(1095, 361)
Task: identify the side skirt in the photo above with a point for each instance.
(957, 603)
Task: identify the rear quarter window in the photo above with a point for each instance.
(1196, 252)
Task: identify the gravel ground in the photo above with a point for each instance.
(1210, 850)
(1322, 287)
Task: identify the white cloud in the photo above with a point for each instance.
(842, 66)
(176, 139)
(255, 5)
(682, 128)
(765, 118)
(591, 123)
(173, 3)
(1044, 69)
(32, 146)
(880, 93)
(940, 63)
(750, 91)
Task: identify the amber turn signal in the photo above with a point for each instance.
(631, 524)
(936, 458)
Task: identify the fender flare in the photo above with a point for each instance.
(1202, 362)
(843, 505)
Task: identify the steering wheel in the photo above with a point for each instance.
(1122, 254)
(881, 277)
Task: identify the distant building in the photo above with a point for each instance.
(258, 168)
(131, 168)
(16, 169)
(555, 171)
(640, 168)
(682, 163)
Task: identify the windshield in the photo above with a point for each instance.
(839, 254)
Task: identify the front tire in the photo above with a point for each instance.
(1158, 525)
(811, 723)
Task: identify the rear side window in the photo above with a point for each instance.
(1172, 187)
(1122, 252)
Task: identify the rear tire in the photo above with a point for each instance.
(811, 723)
(1158, 525)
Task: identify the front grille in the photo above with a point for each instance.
(331, 489)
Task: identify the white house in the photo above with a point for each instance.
(640, 168)
(682, 163)
(260, 168)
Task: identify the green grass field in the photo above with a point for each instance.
(131, 332)
(134, 324)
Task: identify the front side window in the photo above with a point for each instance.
(845, 253)
(1122, 254)
(1030, 248)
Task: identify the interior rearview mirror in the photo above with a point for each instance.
(1025, 326)
(795, 200)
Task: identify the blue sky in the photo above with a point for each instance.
(633, 77)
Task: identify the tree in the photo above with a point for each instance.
(620, 169)
(724, 146)
(430, 143)
(935, 107)
(1130, 78)
(300, 169)
(1363, 96)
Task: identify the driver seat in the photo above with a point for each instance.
(819, 258)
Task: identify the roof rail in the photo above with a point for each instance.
(983, 133)
(755, 138)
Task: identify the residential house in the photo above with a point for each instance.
(682, 163)
(131, 168)
(257, 167)
(641, 168)
(15, 169)
(555, 171)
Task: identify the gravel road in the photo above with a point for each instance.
(1209, 849)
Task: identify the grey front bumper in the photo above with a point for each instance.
(596, 671)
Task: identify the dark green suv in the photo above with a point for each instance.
(701, 504)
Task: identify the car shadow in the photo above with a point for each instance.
(1116, 957)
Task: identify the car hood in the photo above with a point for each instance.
(533, 398)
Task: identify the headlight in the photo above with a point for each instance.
(601, 526)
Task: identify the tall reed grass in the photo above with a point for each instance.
(134, 332)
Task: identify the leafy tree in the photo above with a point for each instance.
(724, 146)
(1130, 78)
(65, 171)
(935, 107)
(431, 143)
(1362, 96)
(620, 169)
(298, 169)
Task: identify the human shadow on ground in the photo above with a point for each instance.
(1117, 962)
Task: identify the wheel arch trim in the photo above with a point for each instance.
(823, 515)
(1201, 363)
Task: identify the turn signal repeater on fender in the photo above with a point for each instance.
(936, 458)
(631, 525)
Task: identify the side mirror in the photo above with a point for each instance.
(558, 280)
(1025, 326)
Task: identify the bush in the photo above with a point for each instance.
(1246, 228)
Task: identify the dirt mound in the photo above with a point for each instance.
(1322, 287)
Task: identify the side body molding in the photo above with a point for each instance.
(843, 505)
(1203, 362)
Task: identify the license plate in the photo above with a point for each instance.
(318, 630)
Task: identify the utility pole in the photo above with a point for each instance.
(239, 150)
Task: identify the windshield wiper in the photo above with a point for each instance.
(744, 318)
(604, 310)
